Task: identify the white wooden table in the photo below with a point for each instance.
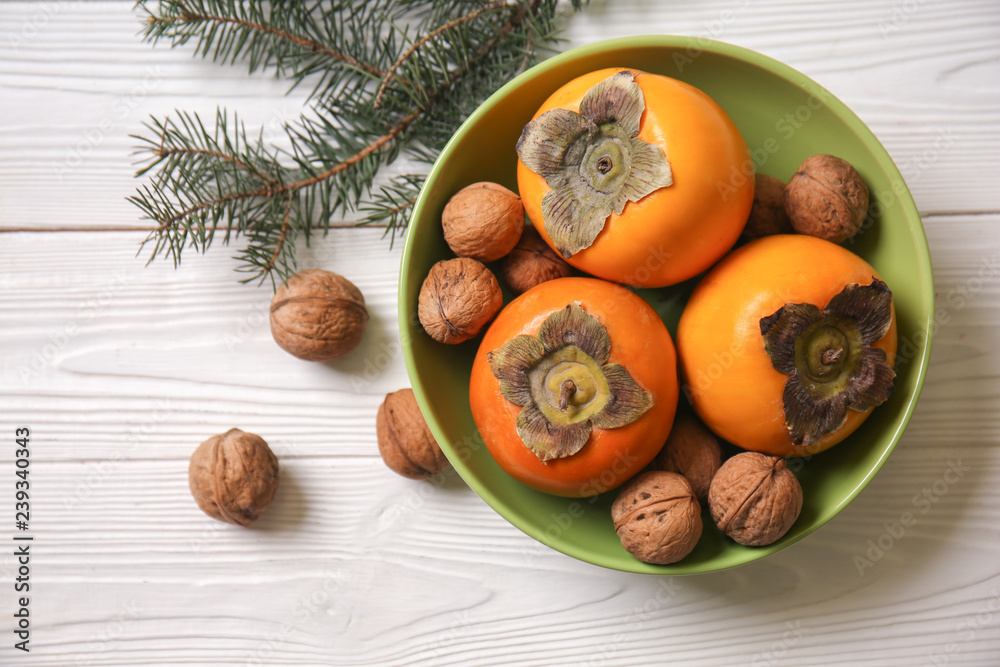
(120, 370)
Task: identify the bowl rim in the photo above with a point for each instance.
(777, 68)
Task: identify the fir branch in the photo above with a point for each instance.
(187, 18)
(374, 88)
(476, 13)
(297, 39)
(280, 245)
(391, 205)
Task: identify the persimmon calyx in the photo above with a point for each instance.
(565, 385)
(593, 161)
(829, 359)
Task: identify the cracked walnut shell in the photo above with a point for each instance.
(404, 439)
(483, 221)
(318, 315)
(755, 498)
(233, 476)
(458, 298)
(658, 517)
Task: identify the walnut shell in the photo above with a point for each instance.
(404, 439)
(318, 315)
(532, 262)
(692, 451)
(657, 517)
(826, 198)
(458, 298)
(233, 476)
(767, 214)
(483, 221)
(755, 498)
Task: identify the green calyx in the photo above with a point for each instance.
(565, 385)
(568, 386)
(593, 161)
(827, 355)
(829, 358)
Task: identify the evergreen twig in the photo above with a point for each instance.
(388, 77)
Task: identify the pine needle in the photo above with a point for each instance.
(387, 78)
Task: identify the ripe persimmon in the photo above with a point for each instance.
(574, 387)
(635, 177)
(787, 345)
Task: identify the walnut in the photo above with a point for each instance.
(657, 517)
(233, 476)
(755, 498)
(318, 315)
(404, 439)
(483, 221)
(458, 297)
(767, 215)
(531, 263)
(693, 451)
(826, 198)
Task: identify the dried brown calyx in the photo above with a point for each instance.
(565, 384)
(755, 498)
(593, 161)
(531, 262)
(657, 517)
(829, 359)
(233, 476)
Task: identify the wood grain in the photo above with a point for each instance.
(72, 97)
(121, 370)
(409, 573)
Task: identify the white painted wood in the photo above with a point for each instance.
(122, 369)
(76, 82)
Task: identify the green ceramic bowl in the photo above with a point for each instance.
(784, 117)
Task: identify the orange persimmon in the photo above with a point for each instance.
(731, 379)
(573, 326)
(676, 231)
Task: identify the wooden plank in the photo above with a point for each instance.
(356, 566)
(91, 330)
(122, 369)
(454, 584)
(70, 97)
